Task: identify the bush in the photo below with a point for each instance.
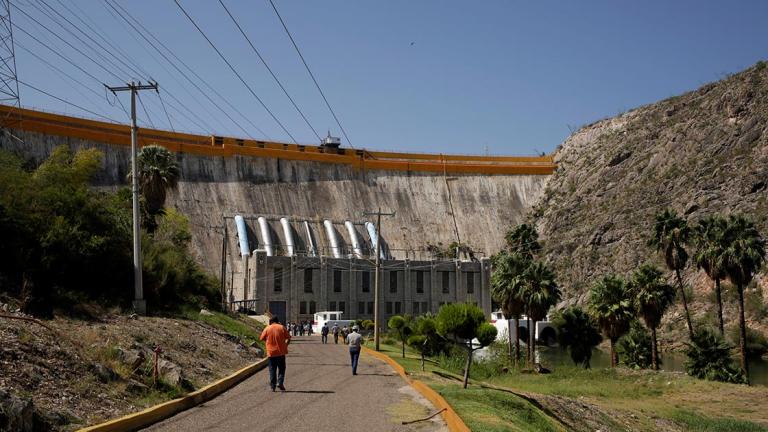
(757, 344)
(634, 348)
(709, 357)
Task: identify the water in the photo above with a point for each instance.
(554, 357)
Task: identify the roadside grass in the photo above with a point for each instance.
(691, 403)
(242, 327)
(698, 423)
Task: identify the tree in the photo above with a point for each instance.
(635, 348)
(709, 357)
(652, 297)
(507, 288)
(158, 172)
(400, 325)
(708, 239)
(577, 332)
(425, 339)
(524, 239)
(670, 234)
(541, 294)
(742, 258)
(462, 323)
(611, 305)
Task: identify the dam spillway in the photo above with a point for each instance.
(438, 199)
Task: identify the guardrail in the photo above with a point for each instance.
(116, 134)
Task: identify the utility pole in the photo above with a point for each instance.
(378, 215)
(139, 303)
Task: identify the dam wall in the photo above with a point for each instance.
(432, 205)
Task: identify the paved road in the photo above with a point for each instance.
(322, 395)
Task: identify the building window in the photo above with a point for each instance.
(342, 307)
(303, 308)
(424, 308)
(415, 308)
(366, 281)
(360, 308)
(398, 308)
(389, 308)
(337, 281)
(278, 278)
(312, 307)
(470, 283)
(393, 282)
(419, 282)
(308, 280)
(332, 306)
(370, 308)
(446, 285)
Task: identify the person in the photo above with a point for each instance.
(324, 333)
(301, 328)
(335, 330)
(277, 339)
(354, 340)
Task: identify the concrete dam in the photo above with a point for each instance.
(438, 199)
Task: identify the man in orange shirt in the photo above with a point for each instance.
(277, 338)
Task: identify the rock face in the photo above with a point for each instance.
(700, 153)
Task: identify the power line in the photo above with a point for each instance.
(151, 123)
(66, 101)
(123, 14)
(166, 112)
(234, 70)
(298, 51)
(264, 62)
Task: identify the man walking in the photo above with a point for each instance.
(335, 329)
(277, 339)
(354, 340)
(324, 333)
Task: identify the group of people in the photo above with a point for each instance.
(278, 336)
(336, 331)
(301, 329)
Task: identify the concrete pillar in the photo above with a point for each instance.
(485, 285)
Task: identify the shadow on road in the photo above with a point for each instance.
(309, 391)
(377, 374)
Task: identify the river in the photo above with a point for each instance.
(554, 357)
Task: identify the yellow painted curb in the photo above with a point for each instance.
(168, 409)
(454, 422)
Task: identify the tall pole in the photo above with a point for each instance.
(139, 303)
(376, 332)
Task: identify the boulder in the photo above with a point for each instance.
(132, 358)
(19, 414)
(103, 373)
(170, 372)
(205, 312)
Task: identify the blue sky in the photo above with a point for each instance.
(503, 77)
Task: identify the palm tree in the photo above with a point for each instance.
(507, 287)
(158, 172)
(708, 239)
(653, 296)
(611, 305)
(541, 294)
(524, 240)
(670, 234)
(743, 256)
(577, 332)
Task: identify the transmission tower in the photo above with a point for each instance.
(9, 84)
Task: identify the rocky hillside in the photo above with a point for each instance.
(699, 153)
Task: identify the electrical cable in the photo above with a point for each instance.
(67, 102)
(298, 51)
(183, 74)
(264, 62)
(235, 71)
(152, 124)
(170, 123)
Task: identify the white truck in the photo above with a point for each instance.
(331, 318)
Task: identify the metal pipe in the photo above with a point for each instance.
(312, 250)
(266, 237)
(289, 244)
(374, 239)
(332, 239)
(353, 238)
(242, 236)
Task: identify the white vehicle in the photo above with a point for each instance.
(331, 318)
(545, 331)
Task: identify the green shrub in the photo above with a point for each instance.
(757, 344)
(709, 357)
(634, 348)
